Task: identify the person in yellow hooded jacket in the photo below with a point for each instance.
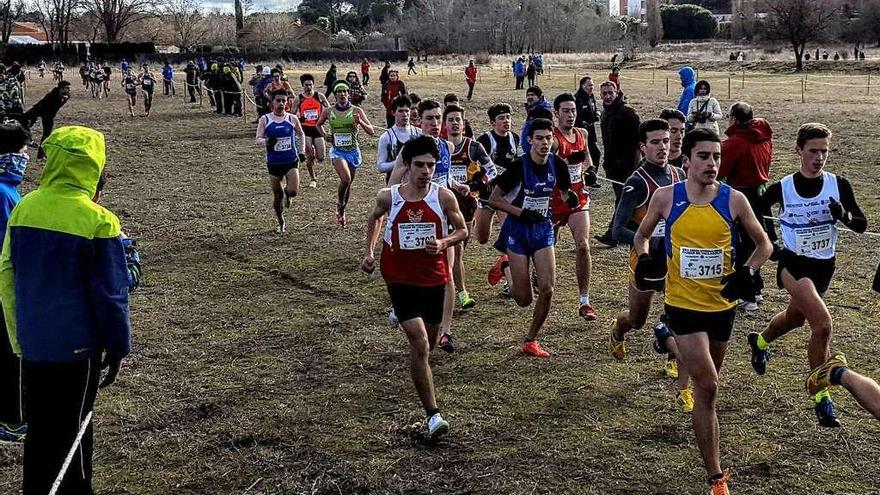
(64, 284)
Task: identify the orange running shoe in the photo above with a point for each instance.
(533, 348)
(719, 486)
(496, 273)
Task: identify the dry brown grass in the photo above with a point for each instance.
(266, 362)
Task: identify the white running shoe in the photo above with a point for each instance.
(748, 306)
(437, 426)
(392, 318)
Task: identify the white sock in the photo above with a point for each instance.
(585, 299)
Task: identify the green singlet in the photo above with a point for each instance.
(344, 129)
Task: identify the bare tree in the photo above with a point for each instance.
(116, 15)
(187, 22)
(801, 21)
(55, 16)
(220, 28)
(10, 12)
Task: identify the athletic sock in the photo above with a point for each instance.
(431, 412)
(762, 344)
(585, 299)
(837, 375)
(824, 394)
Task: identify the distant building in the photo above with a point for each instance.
(632, 8)
(28, 32)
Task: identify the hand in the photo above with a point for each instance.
(649, 274)
(837, 211)
(435, 246)
(462, 189)
(572, 199)
(477, 180)
(270, 143)
(739, 285)
(591, 178)
(576, 157)
(112, 366)
(776, 254)
(368, 264)
(301, 157)
(531, 216)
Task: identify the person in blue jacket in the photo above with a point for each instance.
(688, 88)
(13, 162)
(519, 72)
(534, 100)
(202, 65)
(64, 284)
(168, 79)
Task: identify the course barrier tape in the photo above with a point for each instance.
(67, 460)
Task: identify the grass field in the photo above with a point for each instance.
(264, 364)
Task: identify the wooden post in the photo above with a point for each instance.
(244, 101)
(803, 90)
(667, 85)
(869, 84)
(743, 79)
(728, 87)
(653, 74)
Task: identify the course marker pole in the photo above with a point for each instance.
(803, 90)
(667, 85)
(728, 87)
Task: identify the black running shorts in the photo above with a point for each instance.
(819, 271)
(415, 301)
(282, 169)
(718, 325)
(311, 132)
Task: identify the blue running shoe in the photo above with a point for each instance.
(661, 333)
(760, 357)
(826, 415)
(10, 435)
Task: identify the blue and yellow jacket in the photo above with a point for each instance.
(63, 275)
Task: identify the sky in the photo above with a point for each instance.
(259, 5)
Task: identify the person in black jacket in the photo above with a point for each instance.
(620, 138)
(192, 81)
(587, 115)
(46, 109)
(329, 79)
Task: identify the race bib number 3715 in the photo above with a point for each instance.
(700, 263)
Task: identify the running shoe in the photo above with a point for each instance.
(617, 348)
(747, 306)
(587, 312)
(10, 435)
(281, 227)
(820, 378)
(392, 318)
(719, 486)
(313, 183)
(684, 399)
(340, 219)
(496, 273)
(671, 368)
(505, 288)
(446, 343)
(759, 298)
(533, 348)
(437, 426)
(760, 358)
(661, 335)
(465, 300)
(606, 239)
(825, 413)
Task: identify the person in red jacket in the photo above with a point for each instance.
(391, 90)
(470, 77)
(747, 154)
(365, 72)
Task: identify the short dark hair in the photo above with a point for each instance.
(540, 124)
(278, 92)
(13, 137)
(535, 90)
(401, 101)
(419, 146)
(583, 80)
(498, 109)
(697, 136)
(426, 105)
(540, 113)
(415, 98)
(452, 108)
(559, 100)
(305, 77)
(672, 113)
(812, 130)
(449, 98)
(742, 113)
(651, 125)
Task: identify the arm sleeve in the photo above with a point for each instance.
(385, 163)
(690, 111)
(478, 153)
(728, 160)
(772, 196)
(848, 200)
(716, 109)
(634, 193)
(7, 293)
(563, 178)
(108, 287)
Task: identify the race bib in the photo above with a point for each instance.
(812, 239)
(310, 114)
(660, 229)
(541, 205)
(442, 180)
(147, 82)
(458, 173)
(343, 139)
(699, 263)
(283, 144)
(575, 172)
(414, 236)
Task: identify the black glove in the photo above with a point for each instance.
(576, 157)
(649, 274)
(776, 255)
(837, 211)
(112, 366)
(739, 285)
(270, 143)
(476, 182)
(531, 216)
(591, 179)
(301, 157)
(572, 199)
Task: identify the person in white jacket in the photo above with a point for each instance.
(704, 112)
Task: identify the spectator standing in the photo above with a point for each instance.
(519, 72)
(365, 71)
(587, 115)
(704, 112)
(392, 89)
(46, 109)
(470, 77)
(614, 76)
(688, 87)
(329, 80)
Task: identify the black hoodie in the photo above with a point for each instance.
(620, 139)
